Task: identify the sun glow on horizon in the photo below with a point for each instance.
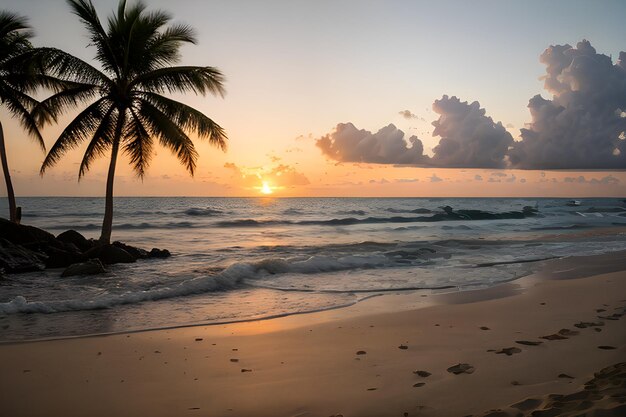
(266, 189)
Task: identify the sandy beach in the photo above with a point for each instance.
(392, 355)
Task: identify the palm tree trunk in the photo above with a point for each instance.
(107, 223)
(7, 178)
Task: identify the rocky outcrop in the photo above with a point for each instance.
(75, 238)
(27, 248)
(110, 254)
(15, 258)
(91, 267)
(24, 235)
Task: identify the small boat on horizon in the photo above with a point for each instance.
(573, 203)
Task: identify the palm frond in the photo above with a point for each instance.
(182, 79)
(138, 145)
(79, 129)
(51, 108)
(18, 104)
(100, 142)
(60, 64)
(105, 54)
(170, 135)
(163, 48)
(189, 119)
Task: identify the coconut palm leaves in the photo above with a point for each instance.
(124, 105)
(17, 81)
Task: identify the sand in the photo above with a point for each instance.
(521, 344)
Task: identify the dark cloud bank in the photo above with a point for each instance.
(582, 127)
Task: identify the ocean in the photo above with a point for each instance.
(238, 259)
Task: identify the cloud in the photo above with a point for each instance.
(387, 146)
(580, 127)
(607, 180)
(434, 178)
(478, 177)
(469, 139)
(407, 114)
(406, 180)
(382, 181)
(498, 174)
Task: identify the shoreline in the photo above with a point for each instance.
(306, 365)
(437, 294)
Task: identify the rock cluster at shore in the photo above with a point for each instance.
(27, 248)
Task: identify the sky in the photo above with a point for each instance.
(376, 98)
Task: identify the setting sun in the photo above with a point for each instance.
(266, 189)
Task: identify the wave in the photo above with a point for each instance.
(564, 227)
(415, 211)
(352, 212)
(196, 211)
(124, 226)
(466, 215)
(229, 278)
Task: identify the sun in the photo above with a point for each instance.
(266, 189)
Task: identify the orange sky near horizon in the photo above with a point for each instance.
(289, 83)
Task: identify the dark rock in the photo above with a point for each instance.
(15, 258)
(75, 238)
(136, 252)
(423, 374)
(59, 258)
(159, 253)
(109, 254)
(21, 234)
(91, 267)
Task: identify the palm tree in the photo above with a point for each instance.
(17, 81)
(125, 108)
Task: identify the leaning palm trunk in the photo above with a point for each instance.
(7, 178)
(107, 223)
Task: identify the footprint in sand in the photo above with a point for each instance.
(419, 384)
(461, 368)
(605, 347)
(528, 342)
(361, 352)
(509, 351)
(568, 332)
(423, 374)
(554, 336)
(566, 376)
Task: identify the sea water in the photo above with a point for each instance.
(236, 259)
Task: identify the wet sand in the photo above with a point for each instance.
(512, 349)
